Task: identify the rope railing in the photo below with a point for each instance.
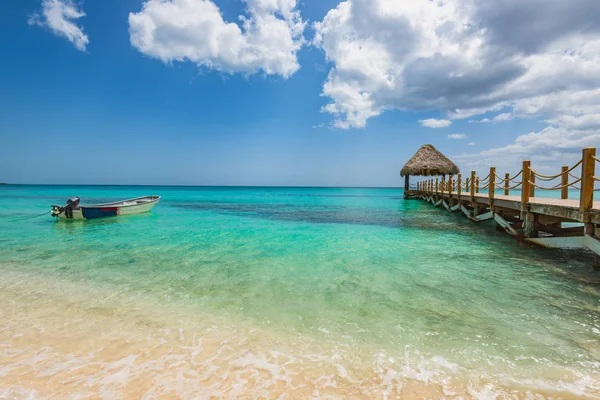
(551, 177)
(516, 176)
(544, 177)
(498, 179)
(456, 189)
(595, 178)
(516, 186)
(504, 180)
(484, 180)
(557, 187)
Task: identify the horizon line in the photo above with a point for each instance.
(204, 186)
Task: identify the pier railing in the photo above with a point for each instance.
(527, 180)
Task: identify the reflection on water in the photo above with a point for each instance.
(62, 225)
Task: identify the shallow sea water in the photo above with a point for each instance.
(292, 292)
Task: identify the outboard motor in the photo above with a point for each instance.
(67, 208)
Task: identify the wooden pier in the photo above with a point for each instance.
(517, 205)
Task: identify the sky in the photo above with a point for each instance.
(293, 93)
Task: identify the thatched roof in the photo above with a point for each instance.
(428, 161)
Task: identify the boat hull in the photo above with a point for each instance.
(127, 207)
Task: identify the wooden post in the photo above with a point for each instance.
(406, 183)
(472, 188)
(443, 185)
(450, 187)
(459, 187)
(492, 186)
(437, 185)
(530, 226)
(586, 197)
(525, 187)
(531, 187)
(477, 185)
(506, 184)
(564, 192)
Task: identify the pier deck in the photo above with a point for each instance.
(531, 218)
(566, 208)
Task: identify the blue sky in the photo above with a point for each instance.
(132, 97)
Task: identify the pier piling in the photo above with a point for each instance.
(530, 216)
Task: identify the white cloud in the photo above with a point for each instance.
(194, 30)
(471, 143)
(561, 146)
(435, 123)
(583, 122)
(497, 118)
(462, 57)
(503, 117)
(457, 136)
(59, 16)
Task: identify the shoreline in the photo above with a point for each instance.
(54, 341)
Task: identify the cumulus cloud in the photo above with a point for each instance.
(59, 17)
(457, 136)
(560, 145)
(534, 58)
(582, 122)
(471, 143)
(266, 40)
(435, 123)
(497, 118)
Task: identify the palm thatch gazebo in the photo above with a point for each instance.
(428, 161)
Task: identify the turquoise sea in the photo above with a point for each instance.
(293, 292)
